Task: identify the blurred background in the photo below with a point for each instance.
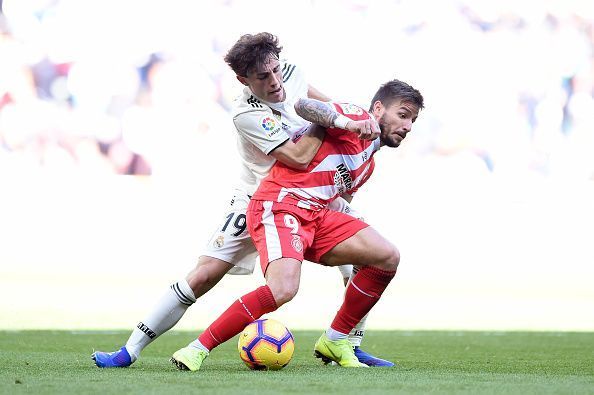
(117, 156)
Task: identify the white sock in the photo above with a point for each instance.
(335, 335)
(168, 311)
(356, 335)
(346, 271)
(196, 344)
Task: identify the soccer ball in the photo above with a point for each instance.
(266, 345)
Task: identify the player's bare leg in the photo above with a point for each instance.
(378, 259)
(167, 312)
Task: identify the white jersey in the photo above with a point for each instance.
(262, 127)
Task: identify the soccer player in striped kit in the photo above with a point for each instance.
(289, 221)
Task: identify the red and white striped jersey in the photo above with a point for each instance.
(342, 164)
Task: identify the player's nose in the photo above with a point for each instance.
(274, 81)
(407, 126)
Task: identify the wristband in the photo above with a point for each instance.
(341, 121)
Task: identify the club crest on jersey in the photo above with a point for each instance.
(277, 114)
(351, 109)
(297, 244)
(270, 125)
(342, 179)
(219, 241)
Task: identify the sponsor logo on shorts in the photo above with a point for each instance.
(342, 179)
(297, 244)
(219, 241)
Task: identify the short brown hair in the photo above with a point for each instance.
(394, 90)
(251, 51)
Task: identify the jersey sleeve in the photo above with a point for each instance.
(351, 111)
(261, 128)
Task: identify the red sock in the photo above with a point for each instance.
(361, 295)
(244, 310)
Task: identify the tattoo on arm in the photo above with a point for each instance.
(316, 112)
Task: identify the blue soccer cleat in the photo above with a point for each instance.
(370, 360)
(117, 359)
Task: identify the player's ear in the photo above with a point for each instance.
(378, 109)
(241, 79)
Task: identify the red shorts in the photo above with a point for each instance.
(282, 230)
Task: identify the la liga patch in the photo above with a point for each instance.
(270, 125)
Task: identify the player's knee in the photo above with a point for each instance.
(390, 257)
(206, 274)
(198, 279)
(284, 292)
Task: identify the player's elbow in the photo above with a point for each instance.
(302, 163)
(297, 160)
(299, 106)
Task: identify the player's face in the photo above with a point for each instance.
(266, 81)
(395, 121)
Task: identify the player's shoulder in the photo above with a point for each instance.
(253, 116)
(248, 105)
(248, 102)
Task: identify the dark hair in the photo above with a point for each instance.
(251, 51)
(394, 90)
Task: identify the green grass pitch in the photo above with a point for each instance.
(429, 362)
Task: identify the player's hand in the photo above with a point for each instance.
(367, 129)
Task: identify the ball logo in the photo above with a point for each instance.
(268, 123)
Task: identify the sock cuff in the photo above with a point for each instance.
(373, 273)
(184, 292)
(266, 298)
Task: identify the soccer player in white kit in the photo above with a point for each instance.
(268, 130)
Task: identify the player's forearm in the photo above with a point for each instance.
(307, 146)
(317, 112)
(298, 155)
(324, 114)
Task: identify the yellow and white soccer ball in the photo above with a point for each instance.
(266, 344)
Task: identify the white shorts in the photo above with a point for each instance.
(231, 241)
